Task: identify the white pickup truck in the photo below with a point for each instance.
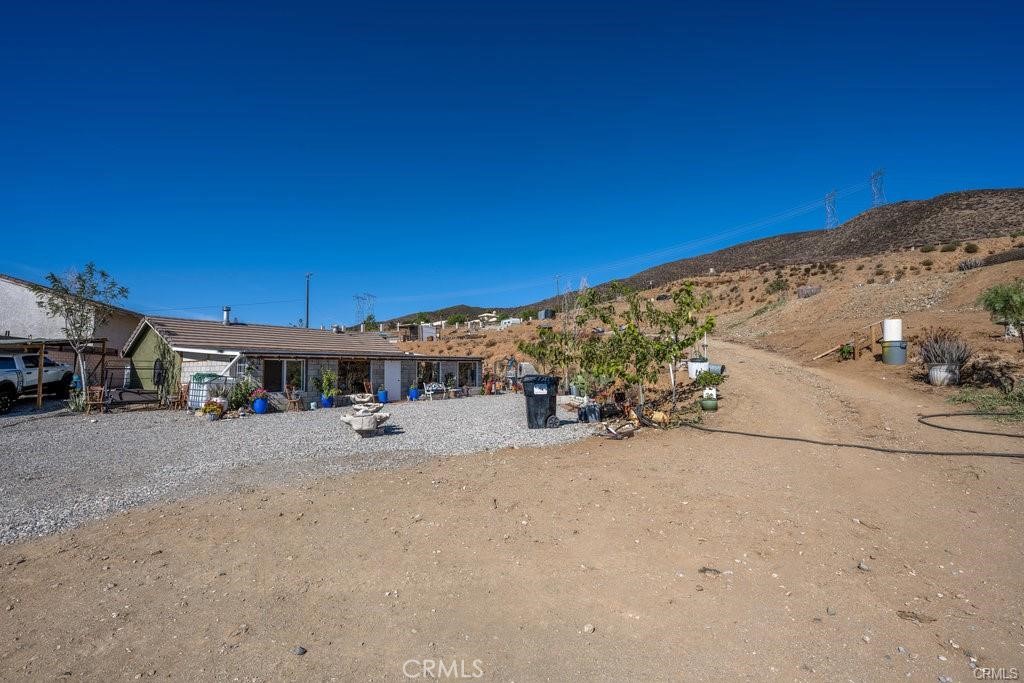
(19, 374)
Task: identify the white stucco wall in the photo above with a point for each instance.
(21, 316)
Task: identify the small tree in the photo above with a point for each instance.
(679, 327)
(82, 300)
(1005, 303)
(456, 319)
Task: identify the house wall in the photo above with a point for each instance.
(21, 315)
(148, 349)
(192, 363)
(376, 373)
(408, 376)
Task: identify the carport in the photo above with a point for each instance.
(40, 346)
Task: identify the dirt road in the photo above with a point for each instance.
(674, 555)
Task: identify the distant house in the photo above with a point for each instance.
(167, 351)
(509, 322)
(546, 314)
(488, 319)
(21, 316)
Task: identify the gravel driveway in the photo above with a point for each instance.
(58, 472)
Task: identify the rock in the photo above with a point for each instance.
(902, 650)
(589, 628)
(862, 565)
(866, 639)
(298, 650)
(831, 611)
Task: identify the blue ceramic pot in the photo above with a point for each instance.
(382, 396)
(326, 401)
(259, 406)
(414, 394)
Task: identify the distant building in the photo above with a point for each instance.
(546, 314)
(509, 322)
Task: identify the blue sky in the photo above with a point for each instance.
(212, 153)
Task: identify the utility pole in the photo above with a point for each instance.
(308, 275)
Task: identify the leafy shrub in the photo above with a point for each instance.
(927, 248)
(777, 285)
(927, 263)
(846, 352)
(944, 347)
(238, 397)
(971, 248)
(1005, 303)
(707, 379)
(75, 403)
(948, 248)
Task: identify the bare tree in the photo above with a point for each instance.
(82, 300)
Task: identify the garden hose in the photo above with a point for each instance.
(880, 449)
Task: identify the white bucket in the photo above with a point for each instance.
(694, 368)
(892, 329)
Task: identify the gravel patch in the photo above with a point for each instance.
(59, 472)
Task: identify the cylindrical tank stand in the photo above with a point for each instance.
(894, 352)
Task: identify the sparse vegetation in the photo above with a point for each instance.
(777, 285)
(928, 248)
(927, 263)
(948, 248)
(1005, 406)
(969, 264)
(971, 248)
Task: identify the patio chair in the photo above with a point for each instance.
(430, 389)
(294, 399)
(179, 402)
(95, 397)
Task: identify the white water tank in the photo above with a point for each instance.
(696, 366)
(892, 329)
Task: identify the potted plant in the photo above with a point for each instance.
(708, 383)
(944, 352)
(382, 394)
(414, 393)
(327, 382)
(260, 400)
(212, 410)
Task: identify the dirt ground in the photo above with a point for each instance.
(691, 555)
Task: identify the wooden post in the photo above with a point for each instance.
(103, 364)
(39, 377)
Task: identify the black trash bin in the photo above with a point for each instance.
(541, 393)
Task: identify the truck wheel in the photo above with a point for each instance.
(63, 388)
(6, 400)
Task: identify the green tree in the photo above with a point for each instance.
(527, 313)
(370, 321)
(82, 300)
(553, 349)
(456, 319)
(679, 327)
(1005, 303)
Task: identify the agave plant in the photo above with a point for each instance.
(944, 347)
(970, 264)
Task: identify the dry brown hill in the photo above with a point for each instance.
(952, 217)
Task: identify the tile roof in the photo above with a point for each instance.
(266, 339)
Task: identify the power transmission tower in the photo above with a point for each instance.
(831, 217)
(878, 188)
(364, 305)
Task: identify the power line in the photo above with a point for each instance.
(220, 306)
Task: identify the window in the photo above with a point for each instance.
(30, 361)
(49, 363)
(352, 374)
(277, 374)
(427, 371)
(467, 375)
(7, 363)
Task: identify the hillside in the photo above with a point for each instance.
(951, 217)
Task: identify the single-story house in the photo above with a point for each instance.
(166, 352)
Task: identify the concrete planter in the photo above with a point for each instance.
(943, 374)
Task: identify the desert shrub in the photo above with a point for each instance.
(971, 248)
(777, 285)
(926, 263)
(860, 266)
(927, 248)
(969, 264)
(806, 291)
(846, 352)
(944, 347)
(948, 248)
(1005, 303)
(238, 396)
(491, 342)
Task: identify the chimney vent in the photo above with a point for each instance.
(227, 315)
